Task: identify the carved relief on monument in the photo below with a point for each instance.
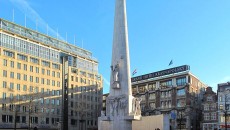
(117, 105)
(115, 75)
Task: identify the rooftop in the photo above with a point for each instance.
(44, 39)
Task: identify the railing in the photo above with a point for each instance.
(45, 39)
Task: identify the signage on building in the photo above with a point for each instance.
(223, 126)
(161, 73)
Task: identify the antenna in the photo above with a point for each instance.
(13, 16)
(47, 29)
(74, 39)
(25, 20)
(66, 36)
(36, 24)
(57, 33)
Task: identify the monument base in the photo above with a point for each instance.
(115, 124)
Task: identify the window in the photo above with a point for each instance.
(8, 53)
(58, 92)
(42, 100)
(52, 101)
(43, 81)
(31, 88)
(11, 96)
(4, 107)
(25, 77)
(4, 73)
(206, 116)
(7, 118)
(43, 71)
(181, 103)
(25, 67)
(18, 76)
(53, 73)
(47, 120)
(152, 96)
(152, 86)
(11, 64)
(53, 83)
(58, 74)
(152, 105)
(206, 107)
(24, 87)
(12, 75)
(141, 89)
(37, 70)
(47, 101)
(221, 106)
(45, 63)
(213, 116)
(58, 83)
(48, 72)
(48, 82)
(31, 78)
(22, 57)
(3, 95)
(220, 98)
(42, 90)
(37, 80)
(180, 92)
(4, 62)
(55, 66)
(34, 60)
(11, 85)
(18, 86)
(48, 91)
(53, 92)
(58, 102)
(4, 84)
(23, 119)
(181, 81)
(167, 83)
(19, 65)
(31, 68)
(36, 90)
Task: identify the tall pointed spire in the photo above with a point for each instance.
(120, 54)
(121, 106)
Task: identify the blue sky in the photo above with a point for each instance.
(195, 32)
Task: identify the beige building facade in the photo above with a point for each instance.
(46, 82)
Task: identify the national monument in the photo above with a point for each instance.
(121, 106)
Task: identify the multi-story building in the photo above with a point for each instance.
(209, 111)
(175, 91)
(223, 93)
(46, 81)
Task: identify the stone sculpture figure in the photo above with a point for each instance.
(136, 106)
(115, 74)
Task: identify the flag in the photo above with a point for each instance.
(134, 72)
(171, 62)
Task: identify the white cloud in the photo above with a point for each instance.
(25, 7)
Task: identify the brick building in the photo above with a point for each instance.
(209, 112)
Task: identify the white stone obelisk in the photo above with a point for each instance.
(121, 106)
